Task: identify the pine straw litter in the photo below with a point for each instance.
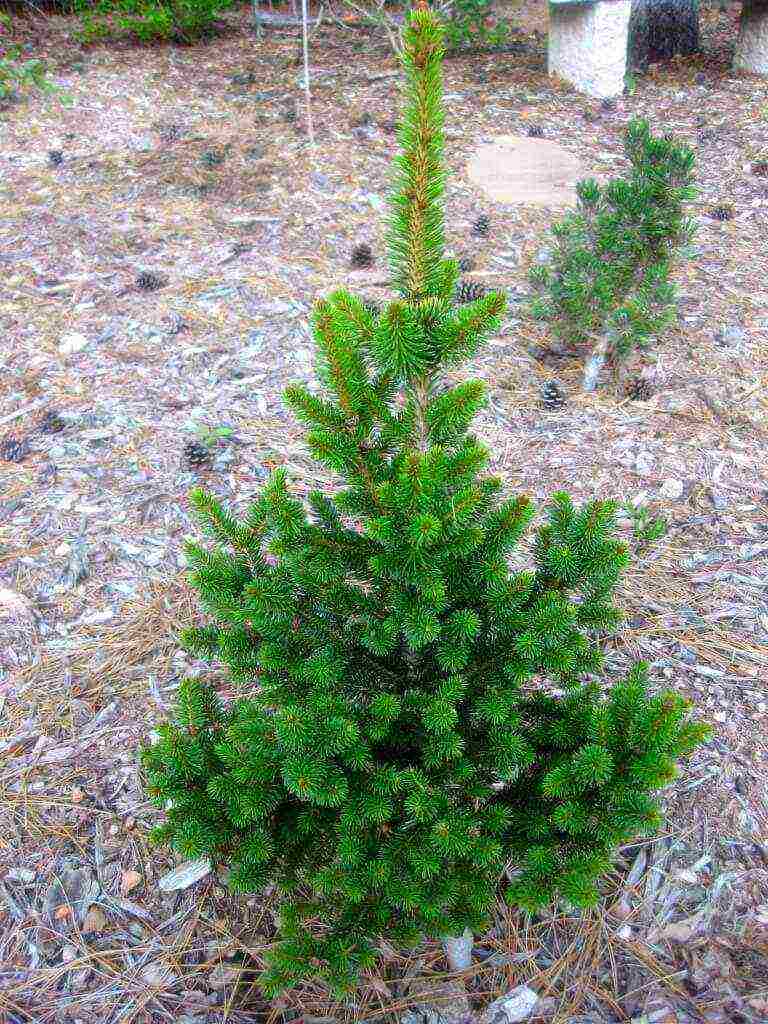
(194, 164)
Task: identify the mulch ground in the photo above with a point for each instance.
(194, 164)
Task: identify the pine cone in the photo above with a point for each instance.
(469, 291)
(362, 256)
(51, 423)
(148, 281)
(535, 131)
(760, 168)
(361, 120)
(212, 158)
(197, 454)
(482, 226)
(373, 307)
(14, 449)
(55, 157)
(244, 78)
(723, 212)
(552, 396)
(466, 263)
(638, 389)
(170, 132)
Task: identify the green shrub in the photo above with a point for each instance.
(149, 20)
(16, 73)
(608, 284)
(417, 707)
(470, 24)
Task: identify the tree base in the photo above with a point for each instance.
(661, 29)
(752, 46)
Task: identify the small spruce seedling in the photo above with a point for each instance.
(417, 711)
(608, 285)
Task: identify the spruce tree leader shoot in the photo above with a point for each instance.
(418, 711)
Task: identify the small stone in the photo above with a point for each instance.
(76, 795)
(672, 489)
(71, 343)
(644, 463)
(129, 881)
(68, 954)
(731, 335)
(515, 1006)
(185, 874)
(624, 933)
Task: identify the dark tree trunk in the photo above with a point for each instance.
(659, 29)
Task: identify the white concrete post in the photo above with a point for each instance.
(588, 44)
(752, 46)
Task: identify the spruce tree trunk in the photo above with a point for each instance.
(594, 365)
(659, 29)
(458, 950)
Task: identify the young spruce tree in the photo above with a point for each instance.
(420, 712)
(609, 281)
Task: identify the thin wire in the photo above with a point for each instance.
(307, 92)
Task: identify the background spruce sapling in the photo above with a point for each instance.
(608, 286)
(418, 706)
